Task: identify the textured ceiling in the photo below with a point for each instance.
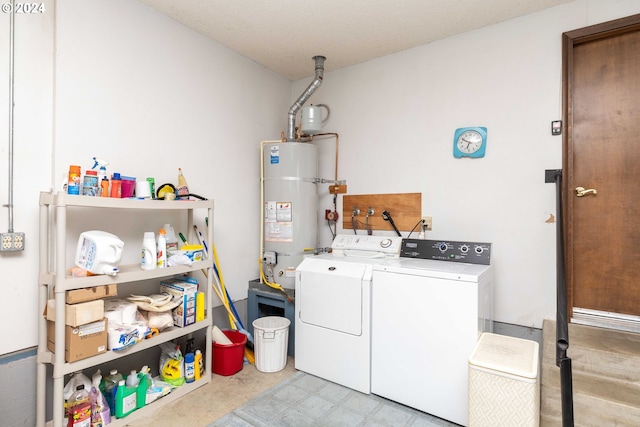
(283, 35)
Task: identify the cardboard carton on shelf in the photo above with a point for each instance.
(77, 314)
(82, 341)
(185, 313)
(93, 293)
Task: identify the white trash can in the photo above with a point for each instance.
(271, 337)
(504, 386)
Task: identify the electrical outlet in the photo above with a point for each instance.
(427, 223)
(11, 242)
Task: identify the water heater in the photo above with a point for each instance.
(290, 206)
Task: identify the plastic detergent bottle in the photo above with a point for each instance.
(189, 368)
(116, 185)
(99, 252)
(183, 188)
(172, 240)
(199, 368)
(73, 182)
(79, 412)
(125, 399)
(161, 249)
(110, 386)
(141, 392)
(132, 379)
(149, 252)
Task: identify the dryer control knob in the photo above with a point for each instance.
(479, 249)
(464, 249)
(386, 243)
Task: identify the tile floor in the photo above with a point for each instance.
(285, 398)
(306, 400)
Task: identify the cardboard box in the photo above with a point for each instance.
(80, 342)
(185, 313)
(89, 294)
(77, 314)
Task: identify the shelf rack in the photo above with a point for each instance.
(52, 246)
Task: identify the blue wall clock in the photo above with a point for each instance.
(470, 142)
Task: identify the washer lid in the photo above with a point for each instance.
(510, 355)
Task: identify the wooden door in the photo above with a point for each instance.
(601, 73)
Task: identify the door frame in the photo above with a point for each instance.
(569, 40)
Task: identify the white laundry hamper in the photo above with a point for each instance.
(271, 337)
(504, 386)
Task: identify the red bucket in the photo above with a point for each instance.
(228, 359)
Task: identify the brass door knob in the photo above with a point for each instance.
(581, 191)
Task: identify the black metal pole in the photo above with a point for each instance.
(562, 323)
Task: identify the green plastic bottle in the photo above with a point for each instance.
(141, 393)
(125, 399)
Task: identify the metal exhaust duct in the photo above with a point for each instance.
(315, 84)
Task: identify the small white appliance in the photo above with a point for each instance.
(429, 308)
(333, 309)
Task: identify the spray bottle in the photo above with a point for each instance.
(102, 173)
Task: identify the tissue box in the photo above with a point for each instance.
(77, 314)
(80, 342)
(89, 294)
(185, 313)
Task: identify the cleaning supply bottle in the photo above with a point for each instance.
(161, 249)
(199, 367)
(149, 251)
(116, 185)
(104, 187)
(132, 379)
(73, 182)
(79, 412)
(125, 399)
(90, 184)
(189, 368)
(102, 171)
(172, 240)
(111, 382)
(183, 188)
(143, 386)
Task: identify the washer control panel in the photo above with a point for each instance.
(345, 244)
(441, 250)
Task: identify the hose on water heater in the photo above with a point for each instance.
(272, 284)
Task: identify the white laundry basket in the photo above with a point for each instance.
(271, 337)
(504, 387)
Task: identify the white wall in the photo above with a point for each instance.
(149, 95)
(396, 118)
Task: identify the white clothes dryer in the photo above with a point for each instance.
(333, 309)
(427, 316)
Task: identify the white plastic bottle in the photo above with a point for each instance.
(149, 255)
(172, 240)
(161, 249)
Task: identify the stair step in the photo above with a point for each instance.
(606, 377)
(613, 354)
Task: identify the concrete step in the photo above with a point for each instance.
(606, 377)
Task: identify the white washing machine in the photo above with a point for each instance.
(429, 308)
(333, 309)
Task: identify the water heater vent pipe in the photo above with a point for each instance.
(315, 84)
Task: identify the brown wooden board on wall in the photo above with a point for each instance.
(405, 209)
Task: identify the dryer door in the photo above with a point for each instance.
(330, 294)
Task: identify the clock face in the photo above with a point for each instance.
(470, 142)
